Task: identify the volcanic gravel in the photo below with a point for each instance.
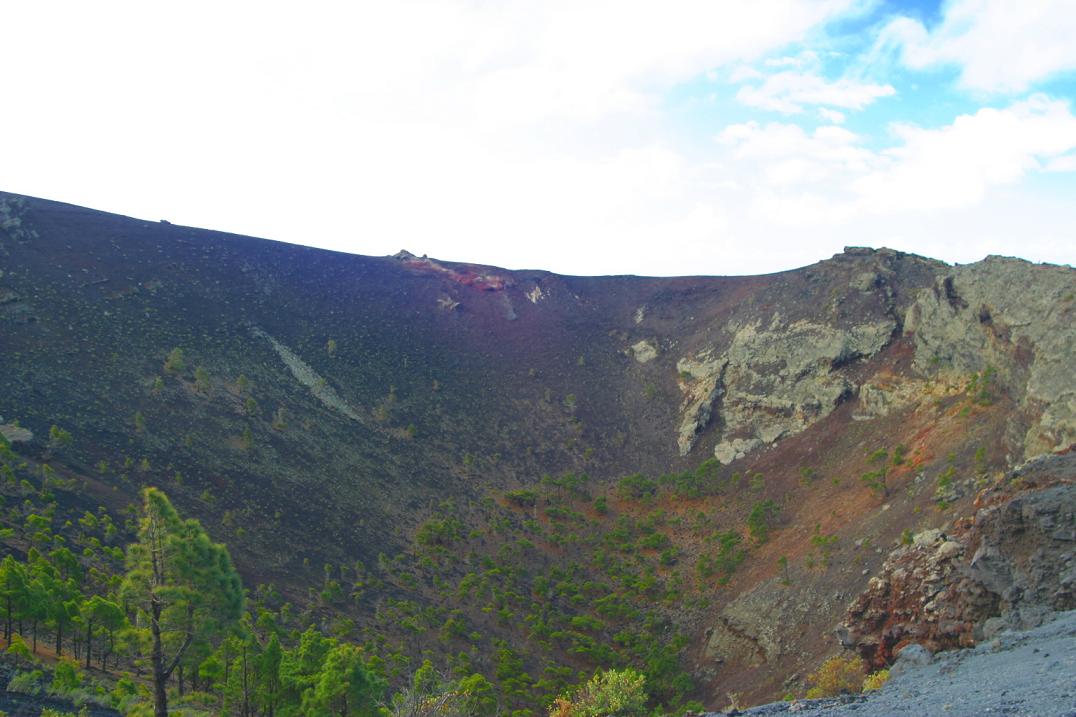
(1030, 673)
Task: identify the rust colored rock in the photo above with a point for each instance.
(1013, 559)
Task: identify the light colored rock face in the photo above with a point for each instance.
(728, 451)
(447, 303)
(15, 433)
(877, 398)
(701, 380)
(747, 629)
(754, 629)
(644, 351)
(772, 381)
(11, 224)
(310, 378)
(1016, 317)
(865, 281)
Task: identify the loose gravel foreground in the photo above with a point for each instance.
(1030, 673)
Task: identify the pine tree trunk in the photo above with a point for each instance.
(246, 687)
(160, 694)
(89, 643)
(104, 656)
(59, 638)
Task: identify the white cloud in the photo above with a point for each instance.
(806, 58)
(831, 116)
(999, 45)
(789, 92)
(524, 133)
(929, 168)
(799, 82)
(744, 72)
(518, 132)
(1065, 163)
(785, 154)
(956, 165)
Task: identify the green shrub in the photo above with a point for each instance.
(729, 556)
(654, 541)
(201, 379)
(27, 683)
(175, 363)
(65, 677)
(636, 486)
(823, 544)
(879, 456)
(980, 387)
(838, 674)
(875, 479)
(760, 519)
(875, 680)
(441, 532)
(944, 492)
(19, 649)
(692, 484)
(522, 498)
(59, 438)
(613, 692)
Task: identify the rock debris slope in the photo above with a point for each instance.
(1018, 673)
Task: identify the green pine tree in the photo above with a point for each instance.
(182, 586)
(345, 687)
(12, 591)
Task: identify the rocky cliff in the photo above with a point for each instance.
(1010, 564)
(1014, 319)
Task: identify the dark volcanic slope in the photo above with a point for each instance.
(327, 404)
(452, 381)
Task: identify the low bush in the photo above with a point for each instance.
(636, 486)
(761, 518)
(875, 680)
(613, 692)
(837, 675)
(26, 683)
(66, 677)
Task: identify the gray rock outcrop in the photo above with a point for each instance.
(773, 380)
(1018, 319)
(644, 351)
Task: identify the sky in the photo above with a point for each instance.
(579, 136)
